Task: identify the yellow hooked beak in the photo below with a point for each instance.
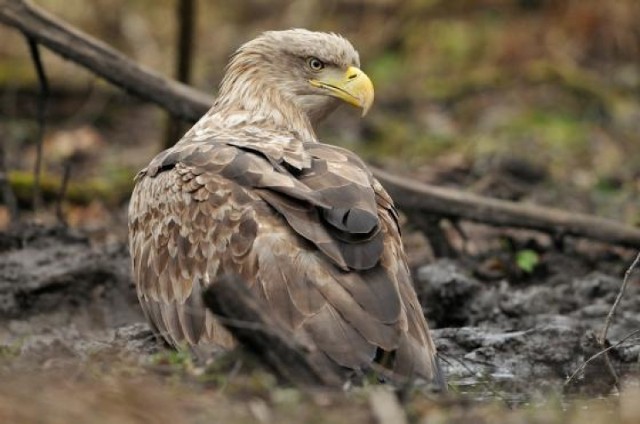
(354, 87)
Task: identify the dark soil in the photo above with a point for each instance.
(500, 331)
(62, 299)
(527, 338)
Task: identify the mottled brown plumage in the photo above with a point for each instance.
(250, 191)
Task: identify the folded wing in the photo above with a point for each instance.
(309, 229)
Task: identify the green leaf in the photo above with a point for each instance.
(527, 260)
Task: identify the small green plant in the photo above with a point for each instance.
(527, 260)
(9, 352)
(177, 359)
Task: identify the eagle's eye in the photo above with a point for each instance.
(315, 64)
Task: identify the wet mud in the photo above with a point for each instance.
(508, 334)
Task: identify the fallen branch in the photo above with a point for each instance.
(249, 321)
(179, 99)
(413, 196)
(190, 104)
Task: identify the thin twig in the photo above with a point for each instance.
(41, 119)
(66, 176)
(603, 336)
(623, 287)
(186, 17)
(8, 196)
(186, 14)
(610, 368)
(600, 353)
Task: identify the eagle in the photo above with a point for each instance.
(249, 190)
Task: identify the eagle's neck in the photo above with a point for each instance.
(245, 99)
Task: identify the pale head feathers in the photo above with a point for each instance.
(299, 43)
(267, 81)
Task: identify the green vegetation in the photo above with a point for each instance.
(527, 260)
(554, 84)
(113, 189)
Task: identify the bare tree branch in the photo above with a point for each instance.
(43, 98)
(413, 196)
(184, 48)
(190, 104)
(185, 13)
(179, 99)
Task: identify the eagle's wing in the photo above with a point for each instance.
(311, 231)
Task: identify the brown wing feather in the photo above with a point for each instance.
(334, 274)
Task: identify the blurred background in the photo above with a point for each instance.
(532, 100)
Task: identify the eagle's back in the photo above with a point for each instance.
(305, 224)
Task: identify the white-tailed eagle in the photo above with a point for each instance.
(251, 191)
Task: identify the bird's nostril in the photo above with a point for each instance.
(352, 76)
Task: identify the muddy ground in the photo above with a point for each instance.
(502, 333)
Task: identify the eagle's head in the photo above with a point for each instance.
(312, 72)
